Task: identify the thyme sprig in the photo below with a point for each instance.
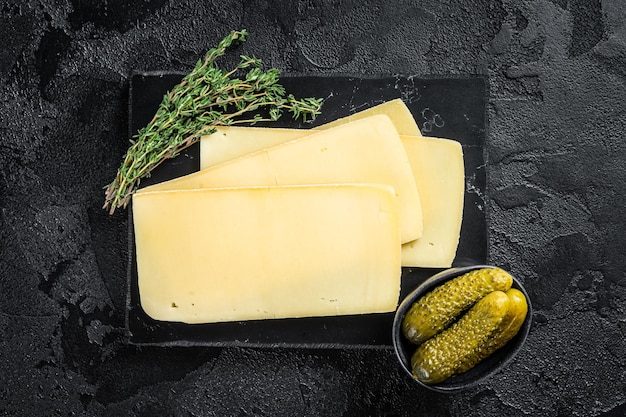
(206, 98)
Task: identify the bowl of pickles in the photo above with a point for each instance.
(461, 326)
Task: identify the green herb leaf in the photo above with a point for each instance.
(207, 97)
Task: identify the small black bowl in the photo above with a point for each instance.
(483, 370)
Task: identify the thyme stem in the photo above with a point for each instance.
(206, 98)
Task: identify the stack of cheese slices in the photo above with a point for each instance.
(282, 223)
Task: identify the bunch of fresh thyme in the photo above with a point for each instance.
(206, 98)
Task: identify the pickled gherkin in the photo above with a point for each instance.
(445, 354)
(439, 308)
(508, 328)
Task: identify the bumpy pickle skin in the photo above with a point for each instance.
(508, 328)
(441, 356)
(439, 308)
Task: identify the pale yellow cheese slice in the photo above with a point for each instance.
(364, 151)
(230, 142)
(439, 172)
(216, 255)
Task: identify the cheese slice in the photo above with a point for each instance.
(216, 255)
(364, 151)
(439, 172)
(230, 142)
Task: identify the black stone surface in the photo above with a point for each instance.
(445, 107)
(556, 186)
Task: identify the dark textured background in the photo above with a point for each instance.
(556, 191)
